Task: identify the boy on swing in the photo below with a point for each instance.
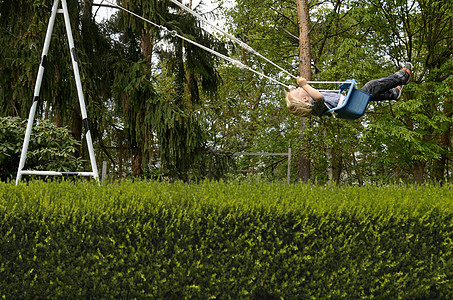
(305, 101)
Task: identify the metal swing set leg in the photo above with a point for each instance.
(31, 117)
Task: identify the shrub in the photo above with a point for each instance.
(51, 148)
(225, 241)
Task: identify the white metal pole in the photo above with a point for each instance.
(37, 89)
(79, 90)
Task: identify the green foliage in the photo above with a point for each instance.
(409, 139)
(162, 106)
(51, 148)
(134, 93)
(225, 240)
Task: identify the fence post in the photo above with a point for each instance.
(104, 170)
(289, 165)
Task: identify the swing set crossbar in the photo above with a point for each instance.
(56, 173)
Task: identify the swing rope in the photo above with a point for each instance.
(175, 34)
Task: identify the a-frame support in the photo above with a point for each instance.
(31, 117)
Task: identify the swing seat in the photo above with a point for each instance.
(354, 104)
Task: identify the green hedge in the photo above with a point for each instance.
(225, 241)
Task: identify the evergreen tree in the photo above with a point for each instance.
(174, 115)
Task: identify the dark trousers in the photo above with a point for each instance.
(385, 88)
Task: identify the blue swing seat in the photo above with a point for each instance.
(354, 105)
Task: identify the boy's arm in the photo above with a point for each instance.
(314, 93)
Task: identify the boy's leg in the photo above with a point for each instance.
(381, 87)
(392, 94)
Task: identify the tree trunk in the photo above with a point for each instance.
(418, 170)
(337, 168)
(304, 39)
(120, 159)
(303, 165)
(147, 47)
(137, 164)
(440, 165)
(57, 112)
(329, 170)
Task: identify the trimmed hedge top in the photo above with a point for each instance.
(282, 198)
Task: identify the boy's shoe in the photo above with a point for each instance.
(406, 72)
(399, 90)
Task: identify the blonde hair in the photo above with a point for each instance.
(297, 106)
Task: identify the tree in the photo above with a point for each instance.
(172, 115)
(303, 17)
(418, 129)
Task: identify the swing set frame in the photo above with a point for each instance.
(20, 172)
